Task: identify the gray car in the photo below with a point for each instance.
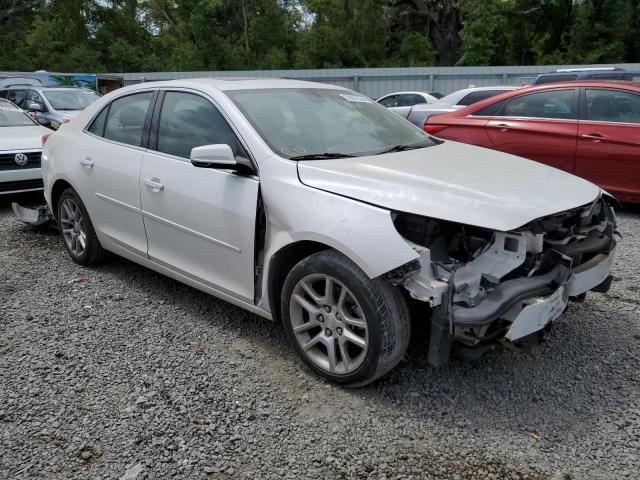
(454, 101)
(50, 106)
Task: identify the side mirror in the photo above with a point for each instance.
(35, 107)
(214, 156)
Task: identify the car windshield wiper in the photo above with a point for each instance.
(322, 156)
(403, 148)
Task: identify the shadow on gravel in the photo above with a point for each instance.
(508, 390)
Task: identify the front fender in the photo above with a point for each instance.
(295, 213)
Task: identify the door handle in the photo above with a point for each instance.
(153, 184)
(595, 137)
(503, 127)
(86, 162)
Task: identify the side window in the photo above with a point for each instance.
(613, 106)
(17, 97)
(553, 78)
(97, 126)
(548, 104)
(389, 101)
(125, 121)
(188, 121)
(475, 97)
(493, 110)
(409, 100)
(34, 97)
(3, 93)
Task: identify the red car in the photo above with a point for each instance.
(588, 128)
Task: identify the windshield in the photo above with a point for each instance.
(12, 116)
(306, 122)
(70, 99)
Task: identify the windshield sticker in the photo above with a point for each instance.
(356, 98)
(9, 108)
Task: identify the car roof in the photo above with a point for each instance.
(584, 83)
(408, 92)
(541, 88)
(232, 83)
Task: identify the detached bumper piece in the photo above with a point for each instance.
(34, 217)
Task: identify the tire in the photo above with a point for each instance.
(340, 321)
(81, 228)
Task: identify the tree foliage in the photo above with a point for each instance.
(173, 35)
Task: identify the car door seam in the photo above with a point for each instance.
(190, 231)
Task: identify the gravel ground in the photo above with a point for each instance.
(118, 372)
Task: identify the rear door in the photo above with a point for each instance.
(608, 151)
(108, 159)
(540, 126)
(200, 222)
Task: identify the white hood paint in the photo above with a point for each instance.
(22, 138)
(455, 182)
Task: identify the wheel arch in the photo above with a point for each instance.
(59, 186)
(281, 263)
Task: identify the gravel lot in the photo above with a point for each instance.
(118, 372)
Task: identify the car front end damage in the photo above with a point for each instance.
(490, 287)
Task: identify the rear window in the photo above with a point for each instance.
(12, 116)
(555, 78)
(475, 97)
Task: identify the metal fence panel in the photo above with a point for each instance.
(376, 82)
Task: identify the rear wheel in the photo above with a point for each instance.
(346, 327)
(77, 230)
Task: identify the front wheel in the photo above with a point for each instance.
(348, 328)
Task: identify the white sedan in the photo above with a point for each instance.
(402, 102)
(314, 206)
(20, 150)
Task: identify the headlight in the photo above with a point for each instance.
(447, 241)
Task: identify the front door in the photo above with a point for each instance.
(609, 141)
(110, 173)
(199, 222)
(540, 126)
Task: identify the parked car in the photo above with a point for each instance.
(589, 73)
(50, 106)
(314, 206)
(6, 82)
(591, 129)
(20, 150)
(454, 101)
(401, 102)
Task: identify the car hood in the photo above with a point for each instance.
(455, 182)
(22, 138)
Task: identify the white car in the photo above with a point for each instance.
(419, 114)
(314, 206)
(20, 150)
(401, 102)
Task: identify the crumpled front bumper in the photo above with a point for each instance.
(536, 313)
(528, 304)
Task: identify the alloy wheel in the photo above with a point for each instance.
(73, 228)
(329, 324)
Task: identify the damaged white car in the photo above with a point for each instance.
(312, 205)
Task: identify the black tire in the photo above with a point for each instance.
(386, 312)
(93, 252)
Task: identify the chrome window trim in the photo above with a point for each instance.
(527, 119)
(602, 122)
(86, 131)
